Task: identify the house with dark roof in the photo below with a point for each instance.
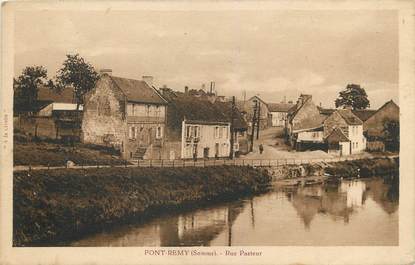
(374, 122)
(128, 114)
(350, 126)
(196, 128)
(278, 113)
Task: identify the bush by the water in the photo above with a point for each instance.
(54, 205)
(364, 167)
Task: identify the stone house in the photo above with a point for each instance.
(351, 127)
(304, 125)
(278, 113)
(373, 123)
(127, 114)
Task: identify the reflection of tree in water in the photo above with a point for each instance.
(385, 192)
(199, 228)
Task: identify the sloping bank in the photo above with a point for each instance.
(347, 169)
(59, 205)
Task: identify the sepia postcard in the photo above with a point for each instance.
(207, 132)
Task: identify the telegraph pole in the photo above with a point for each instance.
(253, 127)
(258, 119)
(232, 126)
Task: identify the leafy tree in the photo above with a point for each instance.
(26, 87)
(354, 96)
(77, 73)
(391, 134)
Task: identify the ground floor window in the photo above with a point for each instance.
(159, 132)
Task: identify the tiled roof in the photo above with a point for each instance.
(194, 109)
(279, 107)
(138, 90)
(349, 117)
(51, 95)
(325, 111)
(336, 136)
(226, 108)
(364, 114)
(310, 123)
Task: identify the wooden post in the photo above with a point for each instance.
(253, 127)
(258, 119)
(232, 127)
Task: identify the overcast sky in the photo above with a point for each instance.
(270, 53)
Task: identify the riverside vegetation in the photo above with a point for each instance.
(60, 205)
(54, 206)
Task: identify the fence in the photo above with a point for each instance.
(165, 163)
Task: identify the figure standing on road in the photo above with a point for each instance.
(261, 149)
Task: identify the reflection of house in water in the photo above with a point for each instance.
(354, 192)
(199, 228)
(338, 202)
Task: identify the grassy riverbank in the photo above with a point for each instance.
(364, 167)
(59, 205)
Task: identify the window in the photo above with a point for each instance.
(132, 133)
(148, 110)
(196, 131)
(159, 132)
(188, 131)
(216, 132)
(220, 132)
(357, 145)
(157, 111)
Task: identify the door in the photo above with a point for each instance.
(217, 150)
(206, 152)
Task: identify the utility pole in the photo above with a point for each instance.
(258, 119)
(232, 126)
(253, 126)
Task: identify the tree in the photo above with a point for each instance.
(353, 96)
(26, 87)
(391, 134)
(77, 73)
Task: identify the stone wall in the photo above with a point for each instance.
(335, 120)
(104, 120)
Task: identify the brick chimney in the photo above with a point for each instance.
(105, 71)
(148, 79)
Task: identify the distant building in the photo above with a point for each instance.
(54, 115)
(373, 123)
(127, 114)
(278, 113)
(248, 108)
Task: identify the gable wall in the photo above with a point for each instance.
(103, 118)
(335, 120)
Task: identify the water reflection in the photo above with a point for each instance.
(352, 212)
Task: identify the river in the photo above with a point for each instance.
(349, 212)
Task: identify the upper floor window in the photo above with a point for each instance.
(148, 110)
(216, 132)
